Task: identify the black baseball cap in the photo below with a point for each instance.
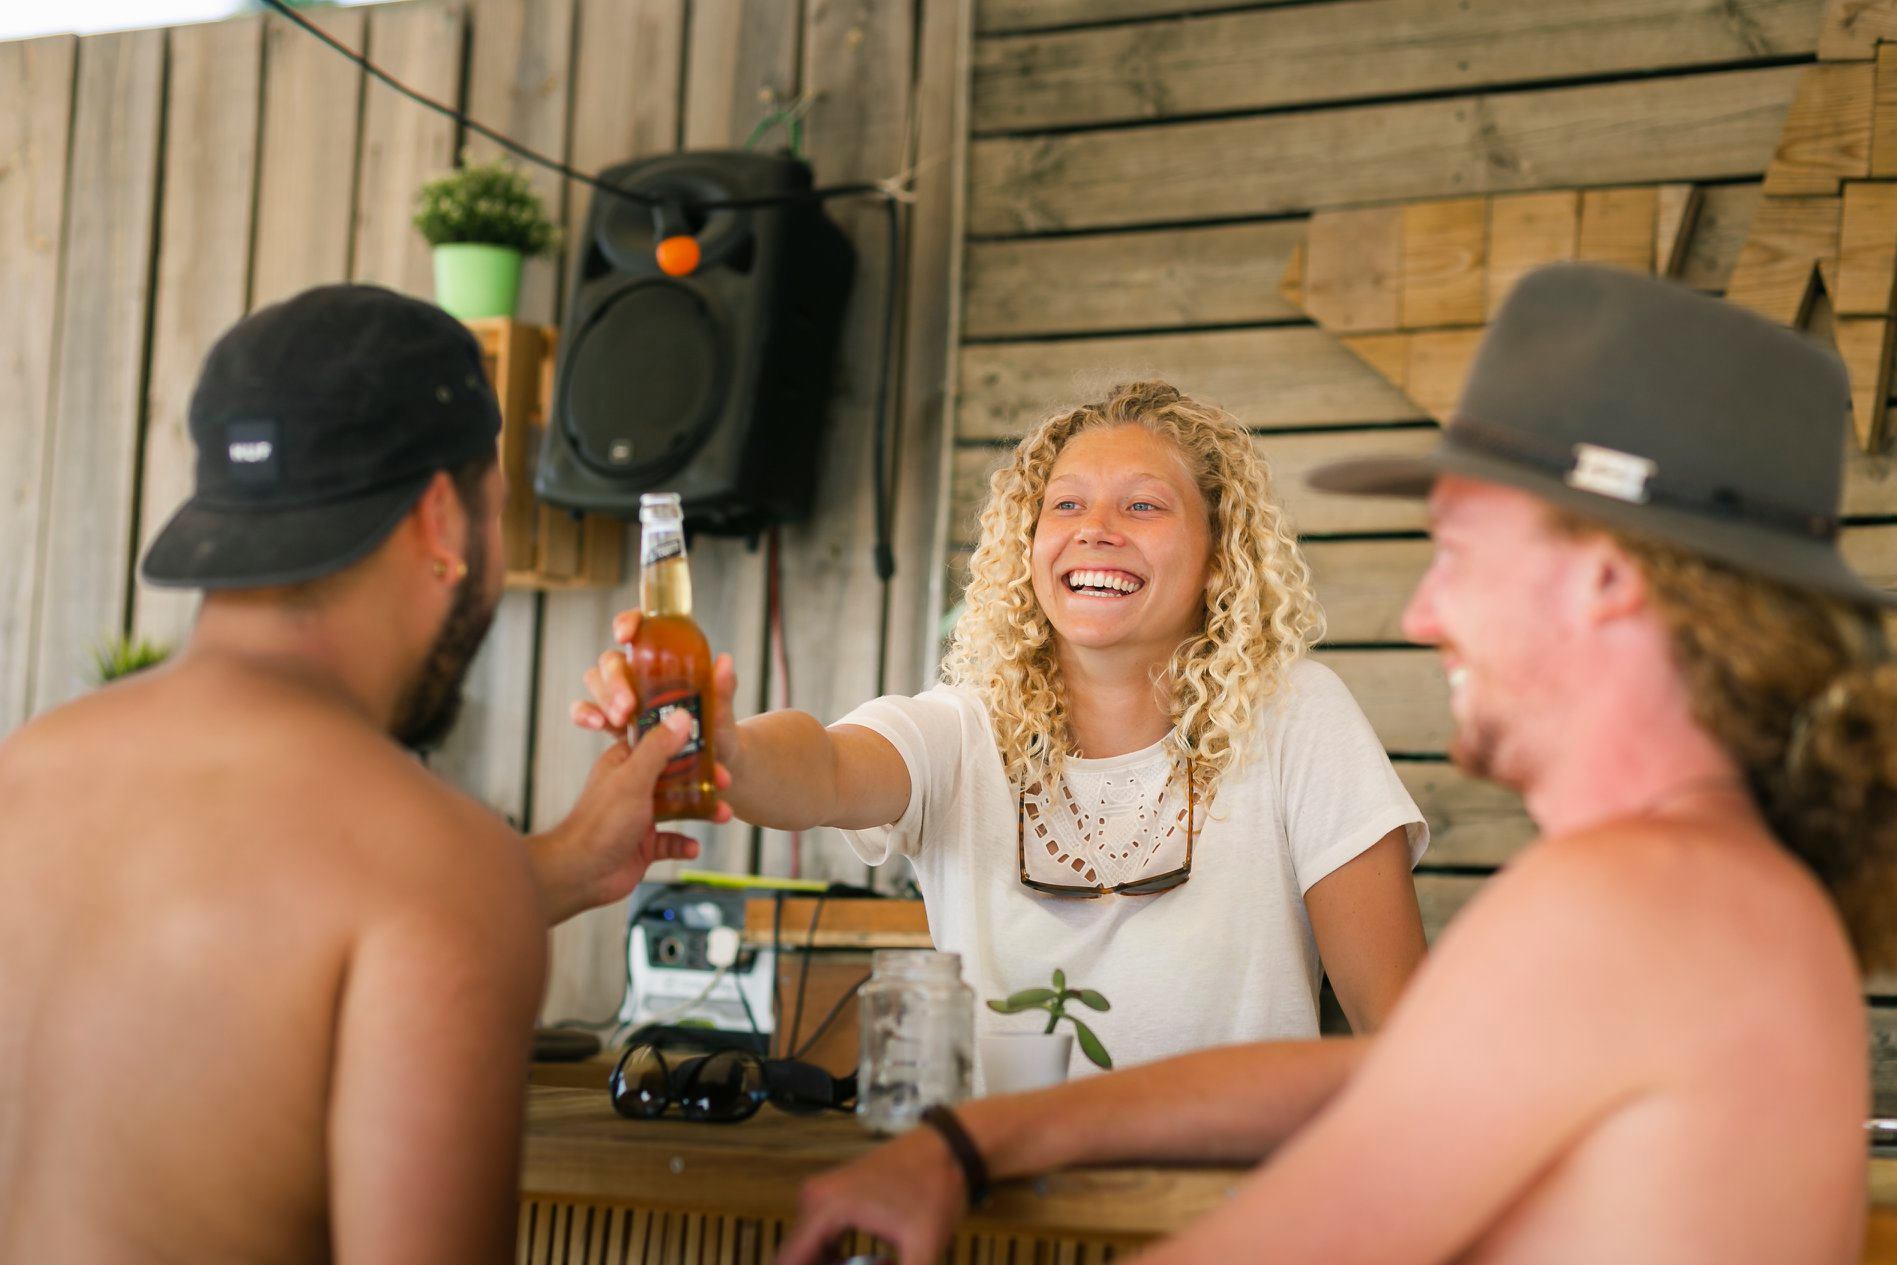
(318, 423)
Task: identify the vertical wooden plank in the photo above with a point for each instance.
(934, 290)
(36, 91)
(519, 79)
(210, 178)
(1884, 115)
(858, 70)
(1675, 214)
(104, 322)
(306, 176)
(1527, 230)
(627, 74)
(1853, 28)
(1865, 344)
(1445, 263)
(1353, 269)
(743, 55)
(1774, 275)
(404, 143)
(1617, 227)
(1439, 363)
(1867, 250)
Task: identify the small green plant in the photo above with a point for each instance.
(122, 656)
(1054, 1001)
(487, 203)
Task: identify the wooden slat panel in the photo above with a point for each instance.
(1442, 897)
(1224, 275)
(203, 266)
(306, 175)
(934, 282)
(1269, 378)
(1827, 135)
(997, 16)
(98, 381)
(404, 144)
(36, 90)
(1692, 127)
(1306, 54)
(1403, 692)
(1471, 822)
(1353, 269)
(1363, 585)
(833, 600)
(520, 64)
(1445, 254)
(1227, 275)
(625, 103)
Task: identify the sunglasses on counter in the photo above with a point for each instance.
(721, 1087)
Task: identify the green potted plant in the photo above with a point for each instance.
(1013, 1062)
(482, 219)
(120, 657)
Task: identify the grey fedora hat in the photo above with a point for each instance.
(1651, 408)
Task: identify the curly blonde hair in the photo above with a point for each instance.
(1260, 614)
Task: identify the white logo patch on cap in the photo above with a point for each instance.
(1608, 472)
(251, 453)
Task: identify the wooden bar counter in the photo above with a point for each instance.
(600, 1190)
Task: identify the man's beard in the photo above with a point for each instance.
(433, 701)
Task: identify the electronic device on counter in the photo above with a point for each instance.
(689, 975)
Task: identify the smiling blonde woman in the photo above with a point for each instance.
(1131, 769)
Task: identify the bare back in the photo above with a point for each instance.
(1644, 1043)
(225, 905)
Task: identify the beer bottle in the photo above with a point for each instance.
(671, 661)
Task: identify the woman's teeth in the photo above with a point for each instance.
(1103, 581)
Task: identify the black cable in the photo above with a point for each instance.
(803, 970)
(885, 552)
(830, 1018)
(513, 146)
(777, 966)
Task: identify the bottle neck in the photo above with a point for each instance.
(665, 578)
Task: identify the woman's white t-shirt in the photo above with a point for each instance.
(1226, 957)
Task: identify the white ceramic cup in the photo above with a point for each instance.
(1015, 1062)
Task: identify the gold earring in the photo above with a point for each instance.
(441, 569)
(460, 571)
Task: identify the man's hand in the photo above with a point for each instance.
(606, 844)
(908, 1192)
(615, 701)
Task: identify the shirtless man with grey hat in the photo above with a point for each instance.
(267, 986)
(1644, 1040)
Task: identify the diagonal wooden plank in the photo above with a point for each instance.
(36, 94)
(306, 176)
(210, 180)
(104, 321)
(1690, 127)
(1270, 58)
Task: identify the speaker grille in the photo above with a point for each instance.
(644, 384)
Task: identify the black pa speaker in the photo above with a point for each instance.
(713, 384)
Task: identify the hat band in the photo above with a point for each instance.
(1638, 480)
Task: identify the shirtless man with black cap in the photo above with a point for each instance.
(266, 985)
(1644, 1040)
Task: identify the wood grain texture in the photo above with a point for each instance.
(1268, 58)
(1867, 250)
(1225, 275)
(1353, 269)
(1270, 378)
(938, 154)
(1691, 127)
(998, 16)
(1526, 231)
(1776, 272)
(854, 51)
(306, 176)
(1471, 822)
(1619, 227)
(403, 144)
(1827, 135)
(1852, 28)
(520, 72)
(210, 177)
(1403, 692)
(36, 94)
(1445, 263)
(104, 322)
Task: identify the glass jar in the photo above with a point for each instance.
(917, 1024)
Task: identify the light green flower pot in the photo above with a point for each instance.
(473, 280)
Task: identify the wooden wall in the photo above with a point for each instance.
(155, 185)
(1139, 171)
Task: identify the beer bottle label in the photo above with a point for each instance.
(664, 705)
(658, 546)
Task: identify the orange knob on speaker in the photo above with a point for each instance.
(678, 255)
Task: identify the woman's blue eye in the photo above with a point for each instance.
(1062, 505)
(1143, 505)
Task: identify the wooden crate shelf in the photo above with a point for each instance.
(546, 547)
